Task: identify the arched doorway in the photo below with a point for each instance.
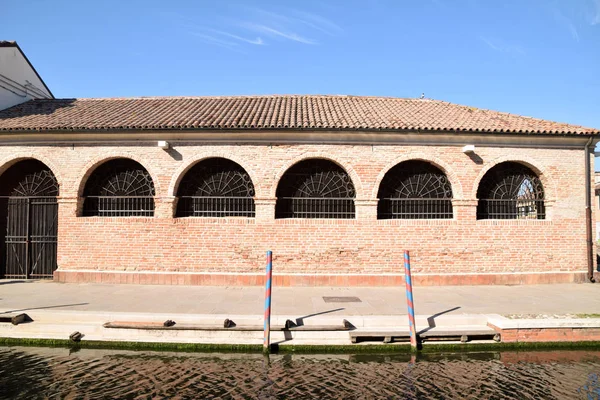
(28, 221)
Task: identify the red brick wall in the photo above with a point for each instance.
(365, 246)
(538, 335)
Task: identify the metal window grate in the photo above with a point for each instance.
(216, 187)
(415, 190)
(510, 191)
(415, 209)
(193, 206)
(315, 189)
(119, 188)
(118, 206)
(511, 209)
(294, 207)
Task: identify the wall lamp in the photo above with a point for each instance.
(468, 149)
(163, 144)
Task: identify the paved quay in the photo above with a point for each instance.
(27, 296)
(59, 309)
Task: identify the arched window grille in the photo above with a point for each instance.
(119, 188)
(28, 221)
(414, 190)
(40, 183)
(315, 188)
(510, 191)
(216, 187)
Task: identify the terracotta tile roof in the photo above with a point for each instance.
(270, 112)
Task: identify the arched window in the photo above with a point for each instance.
(414, 190)
(315, 188)
(510, 191)
(216, 187)
(119, 188)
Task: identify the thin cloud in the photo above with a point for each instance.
(258, 41)
(502, 47)
(212, 39)
(294, 25)
(490, 44)
(208, 39)
(318, 22)
(278, 33)
(596, 12)
(566, 23)
(291, 24)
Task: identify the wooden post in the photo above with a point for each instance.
(410, 301)
(267, 327)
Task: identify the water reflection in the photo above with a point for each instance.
(30, 373)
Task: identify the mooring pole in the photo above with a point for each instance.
(267, 338)
(410, 301)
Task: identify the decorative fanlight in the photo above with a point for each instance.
(415, 190)
(38, 184)
(121, 177)
(216, 187)
(415, 180)
(217, 177)
(315, 189)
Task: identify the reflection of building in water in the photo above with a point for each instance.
(56, 373)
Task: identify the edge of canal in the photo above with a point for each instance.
(302, 349)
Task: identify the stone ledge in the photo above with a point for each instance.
(507, 323)
(213, 278)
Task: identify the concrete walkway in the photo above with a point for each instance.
(27, 296)
(59, 309)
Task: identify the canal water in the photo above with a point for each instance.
(56, 373)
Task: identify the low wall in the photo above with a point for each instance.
(342, 280)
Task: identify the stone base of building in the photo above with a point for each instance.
(349, 280)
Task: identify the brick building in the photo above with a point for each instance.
(336, 186)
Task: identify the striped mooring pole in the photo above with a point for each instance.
(409, 301)
(268, 280)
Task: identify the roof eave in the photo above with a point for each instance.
(298, 129)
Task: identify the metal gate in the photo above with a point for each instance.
(31, 237)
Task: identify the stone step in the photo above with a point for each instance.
(54, 316)
(464, 333)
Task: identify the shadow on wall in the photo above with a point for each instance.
(174, 154)
(475, 158)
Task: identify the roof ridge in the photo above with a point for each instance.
(248, 97)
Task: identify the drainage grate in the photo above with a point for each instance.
(342, 299)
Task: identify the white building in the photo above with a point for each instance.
(19, 81)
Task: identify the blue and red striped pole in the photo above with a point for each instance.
(267, 338)
(409, 301)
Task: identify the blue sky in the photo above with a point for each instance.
(538, 58)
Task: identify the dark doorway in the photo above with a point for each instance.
(28, 221)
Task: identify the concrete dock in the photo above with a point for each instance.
(518, 313)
